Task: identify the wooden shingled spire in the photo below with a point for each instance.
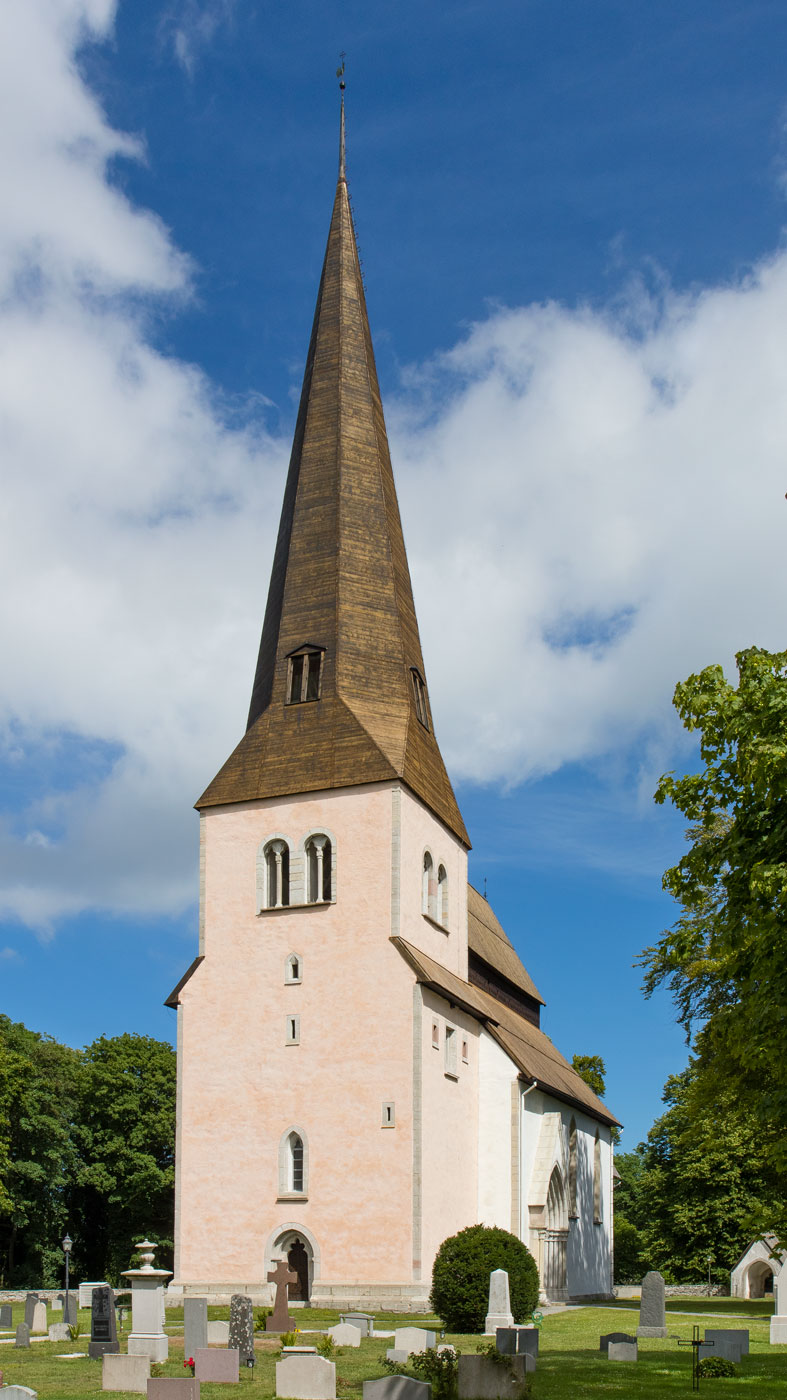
(340, 584)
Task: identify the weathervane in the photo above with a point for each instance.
(340, 76)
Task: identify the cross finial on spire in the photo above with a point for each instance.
(340, 76)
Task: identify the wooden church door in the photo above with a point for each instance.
(298, 1260)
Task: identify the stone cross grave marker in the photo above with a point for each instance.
(280, 1320)
(652, 1310)
(22, 1338)
(241, 1334)
(499, 1312)
(30, 1304)
(103, 1328)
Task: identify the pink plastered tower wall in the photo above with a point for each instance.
(361, 1045)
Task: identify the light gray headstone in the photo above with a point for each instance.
(57, 1303)
(499, 1312)
(59, 1332)
(30, 1302)
(121, 1372)
(19, 1392)
(603, 1342)
(195, 1325)
(480, 1378)
(6, 1315)
(398, 1354)
(730, 1351)
(734, 1336)
(39, 1324)
(306, 1377)
(173, 1388)
(359, 1319)
(218, 1334)
(622, 1351)
(413, 1339)
(396, 1388)
(652, 1310)
(70, 1312)
(345, 1334)
(22, 1338)
(216, 1364)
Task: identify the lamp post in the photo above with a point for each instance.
(66, 1243)
(710, 1257)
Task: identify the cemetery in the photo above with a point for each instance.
(647, 1346)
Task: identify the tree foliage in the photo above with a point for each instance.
(725, 959)
(592, 1069)
(460, 1276)
(86, 1145)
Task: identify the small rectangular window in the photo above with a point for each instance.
(293, 1030)
(419, 697)
(435, 1035)
(450, 1051)
(303, 677)
(389, 1115)
(296, 678)
(313, 677)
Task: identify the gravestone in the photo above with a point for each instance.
(121, 1372)
(218, 1334)
(603, 1342)
(345, 1335)
(517, 1341)
(39, 1324)
(280, 1320)
(365, 1321)
(652, 1311)
(216, 1364)
(57, 1303)
(86, 1291)
(19, 1392)
(22, 1338)
(499, 1312)
(173, 1388)
(396, 1388)
(6, 1315)
(719, 1345)
(481, 1378)
(398, 1354)
(195, 1325)
(59, 1332)
(411, 1339)
(622, 1351)
(103, 1328)
(735, 1336)
(306, 1377)
(778, 1331)
(30, 1302)
(70, 1310)
(241, 1333)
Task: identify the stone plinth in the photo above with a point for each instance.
(125, 1373)
(147, 1337)
(499, 1312)
(306, 1378)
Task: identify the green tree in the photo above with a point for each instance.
(725, 959)
(126, 1142)
(592, 1069)
(40, 1093)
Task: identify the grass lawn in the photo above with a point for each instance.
(570, 1366)
(738, 1307)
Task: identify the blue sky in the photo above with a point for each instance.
(571, 222)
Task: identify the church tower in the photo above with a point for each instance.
(338, 1099)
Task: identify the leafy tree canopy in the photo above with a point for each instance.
(592, 1069)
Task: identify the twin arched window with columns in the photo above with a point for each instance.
(434, 891)
(290, 874)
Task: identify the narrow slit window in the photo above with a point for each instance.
(293, 1030)
(304, 676)
(389, 1115)
(465, 1051)
(296, 1163)
(435, 1035)
(442, 896)
(450, 1051)
(419, 697)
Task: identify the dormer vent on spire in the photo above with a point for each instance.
(340, 625)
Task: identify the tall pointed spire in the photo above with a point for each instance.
(340, 76)
(340, 584)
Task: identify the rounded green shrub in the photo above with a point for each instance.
(460, 1277)
(716, 1366)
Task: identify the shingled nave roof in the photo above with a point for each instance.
(340, 582)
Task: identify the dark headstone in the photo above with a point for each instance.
(517, 1341)
(103, 1328)
(242, 1328)
(6, 1315)
(729, 1336)
(30, 1307)
(603, 1342)
(22, 1335)
(279, 1320)
(70, 1309)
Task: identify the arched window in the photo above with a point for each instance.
(277, 874)
(293, 1164)
(428, 887)
(318, 869)
(572, 1170)
(293, 969)
(442, 896)
(597, 1180)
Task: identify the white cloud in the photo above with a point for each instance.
(593, 503)
(191, 26)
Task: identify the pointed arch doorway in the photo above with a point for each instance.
(554, 1282)
(299, 1249)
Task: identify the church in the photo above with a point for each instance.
(361, 1066)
